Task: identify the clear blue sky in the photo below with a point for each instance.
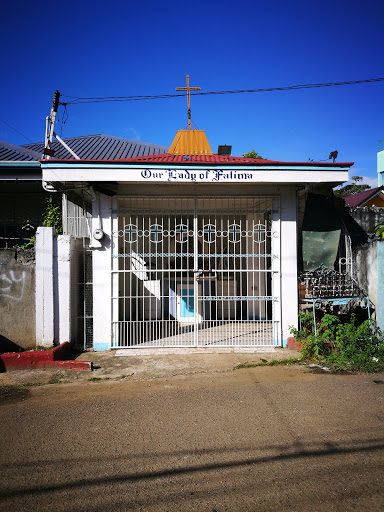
(121, 48)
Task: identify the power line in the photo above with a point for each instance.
(103, 99)
(15, 130)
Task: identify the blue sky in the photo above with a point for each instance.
(129, 48)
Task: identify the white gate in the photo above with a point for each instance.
(196, 272)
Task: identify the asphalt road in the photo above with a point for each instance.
(258, 439)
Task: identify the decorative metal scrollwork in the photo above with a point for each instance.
(130, 232)
(156, 233)
(209, 232)
(181, 233)
(328, 283)
(234, 233)
(259, 233)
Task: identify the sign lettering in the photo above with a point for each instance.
(208, 176)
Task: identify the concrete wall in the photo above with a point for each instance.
(368, 256)
(56, 293)
(367, 218)
(368, 264)
(17, 300)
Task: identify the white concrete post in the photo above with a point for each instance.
(276, 270)
(289, 287)
(45, 314)
(63, 289)
(102, 280)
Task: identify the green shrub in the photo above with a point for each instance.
(341, 345)
(52, 216)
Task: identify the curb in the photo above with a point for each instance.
(294, 344)
(57, 357)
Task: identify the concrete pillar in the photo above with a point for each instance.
(53, 287)
(62, 288)
(45, 310)
(102, 280)
(289, 289)
(276, 270)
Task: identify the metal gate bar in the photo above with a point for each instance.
(195, 272)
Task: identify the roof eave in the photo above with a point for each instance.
(145, 162)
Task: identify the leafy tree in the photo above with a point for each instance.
(253, 154)
(354, 188)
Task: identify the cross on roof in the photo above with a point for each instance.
(189, 99)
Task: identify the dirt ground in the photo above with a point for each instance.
(191, 433)
(109, 365)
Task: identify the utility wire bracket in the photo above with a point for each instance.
(50, 133)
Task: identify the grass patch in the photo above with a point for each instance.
(32, 384)
(273, 362)
(284, 362)
(43, 348)
(56, 378)
(246, 365)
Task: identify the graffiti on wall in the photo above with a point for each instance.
(12, 286)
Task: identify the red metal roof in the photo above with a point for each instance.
(360, 198)
(220, 159)
(170, 158)
(167, 158)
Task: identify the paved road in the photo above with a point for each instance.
(258, 439)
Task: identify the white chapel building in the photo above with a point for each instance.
(188, 248)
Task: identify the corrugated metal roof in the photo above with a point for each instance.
(114, 149)
(11, 152)
(360, 198)
(99, 147)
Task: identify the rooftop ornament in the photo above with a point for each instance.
(188, 89)
(190, 141)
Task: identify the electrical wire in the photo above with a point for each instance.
(75, 100)
(63, 119)
(15, 130)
